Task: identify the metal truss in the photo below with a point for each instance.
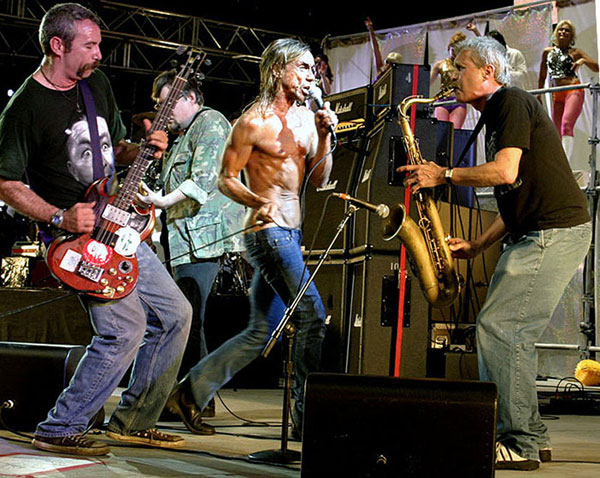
(142, 40)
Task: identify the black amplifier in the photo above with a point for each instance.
(352, 108)
(396, 84)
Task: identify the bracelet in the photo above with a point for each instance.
(57, 218)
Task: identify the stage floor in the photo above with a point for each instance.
(576, 448)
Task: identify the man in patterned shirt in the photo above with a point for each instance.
(199, 218)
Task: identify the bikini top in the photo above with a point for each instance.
(560, 64)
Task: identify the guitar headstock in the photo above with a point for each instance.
(191, 59)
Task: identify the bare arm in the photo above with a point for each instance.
(503, 170)
(543, 69)
(375, 44)
(78, 219)
(473, 28)
(237, 152)
(582, 58)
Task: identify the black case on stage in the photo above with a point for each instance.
(376, 426)
(33, 376)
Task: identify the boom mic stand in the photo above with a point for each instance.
(283, 455)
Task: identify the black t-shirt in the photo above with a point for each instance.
(545, 194)
(45, 142)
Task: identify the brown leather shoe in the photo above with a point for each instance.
(210, 410)
(182, 404)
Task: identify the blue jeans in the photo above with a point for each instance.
(196, 280)
(276, 258)
(148, 328)
(530, 278)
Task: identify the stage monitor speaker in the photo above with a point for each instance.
(370, 426)
(347, 159)
(378, 181)
(373, 319)
(33, 376)
(463, 195)
(398, 82)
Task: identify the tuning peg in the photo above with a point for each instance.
(207, 62)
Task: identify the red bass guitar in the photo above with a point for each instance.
(103, 264)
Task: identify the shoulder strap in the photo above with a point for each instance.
(470, 141)
(90, 109)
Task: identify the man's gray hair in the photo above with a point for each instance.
(487, 51)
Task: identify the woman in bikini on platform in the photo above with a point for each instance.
(561, 61)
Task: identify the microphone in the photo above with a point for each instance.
(382, 210)
(315, 94)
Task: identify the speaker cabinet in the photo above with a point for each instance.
(332, 282)
(398, 82)
(347, 159)
(379, 182)
(375, 346)
(33, 376)
(369, 426)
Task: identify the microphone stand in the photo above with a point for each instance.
(283, 455)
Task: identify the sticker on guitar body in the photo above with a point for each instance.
(70, 260)
(96, 253)
(128, 242)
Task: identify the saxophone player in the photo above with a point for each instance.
(544, 219)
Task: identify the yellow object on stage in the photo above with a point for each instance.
(588, 372)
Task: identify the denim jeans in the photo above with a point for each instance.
(276, 257)
(530, 278)
(196, 280)
(148, 328)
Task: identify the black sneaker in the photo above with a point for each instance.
(507, 459)
(151, 437)
(72, 445)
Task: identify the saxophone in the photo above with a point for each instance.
(426, 241)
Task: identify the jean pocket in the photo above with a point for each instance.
(279, 239)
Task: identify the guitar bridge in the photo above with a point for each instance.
(90, 271)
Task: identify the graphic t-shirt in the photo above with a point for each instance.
(45, 139)
(545, 194)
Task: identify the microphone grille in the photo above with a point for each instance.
(315, 93)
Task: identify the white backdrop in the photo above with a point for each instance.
(527, 29)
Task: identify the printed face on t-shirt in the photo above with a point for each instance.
(79, 147)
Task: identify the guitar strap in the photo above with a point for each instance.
(90, 110)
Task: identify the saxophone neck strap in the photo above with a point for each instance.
(470, 141)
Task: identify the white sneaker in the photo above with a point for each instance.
(507, 459)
